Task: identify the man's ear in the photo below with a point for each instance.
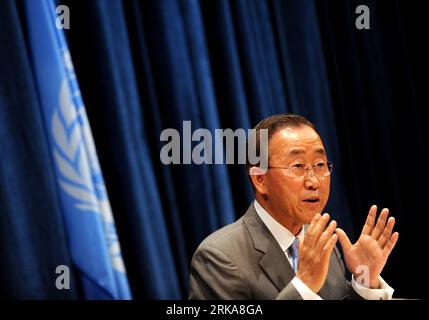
(258, 180)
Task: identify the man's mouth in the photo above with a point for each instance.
(312, 200)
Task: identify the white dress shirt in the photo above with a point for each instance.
(285, 239)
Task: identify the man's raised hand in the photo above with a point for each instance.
(315, 251)
(373, 246)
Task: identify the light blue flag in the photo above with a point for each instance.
(88, 217)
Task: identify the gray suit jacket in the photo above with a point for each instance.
(244, 261)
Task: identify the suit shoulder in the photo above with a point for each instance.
(229, 239)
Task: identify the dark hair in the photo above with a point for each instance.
(275, 123)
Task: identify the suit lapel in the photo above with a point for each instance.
(273, 260)
(277, 268)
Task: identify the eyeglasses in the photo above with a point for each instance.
(298, 170)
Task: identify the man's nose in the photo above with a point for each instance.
(311, 181)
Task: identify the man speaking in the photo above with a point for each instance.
(283, 247)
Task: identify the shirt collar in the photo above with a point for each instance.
(282, 235)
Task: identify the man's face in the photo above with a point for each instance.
(294, 201)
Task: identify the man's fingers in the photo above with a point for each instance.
(313, 234)
(318, 229)
(369, 223)
(326, 235)
(344, 240)
(381, 222)
(385, 236)
(310, 228)
(391, 244)
(327, 249)
(300, 244)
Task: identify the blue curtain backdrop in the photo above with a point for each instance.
(144, 66)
